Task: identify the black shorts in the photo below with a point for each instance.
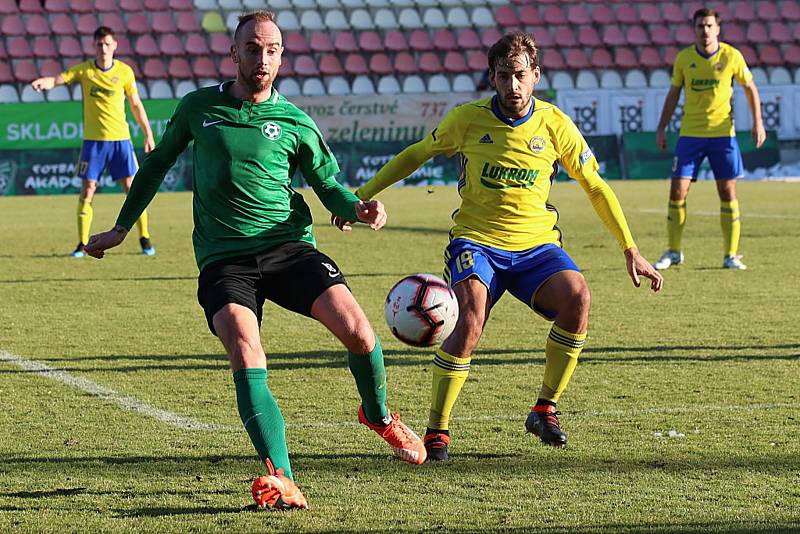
(291, 275)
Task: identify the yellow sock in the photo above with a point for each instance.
(676, 219)
(561, 357)
(144, 231)
(85, 213)
(731, 226)
(449, 374)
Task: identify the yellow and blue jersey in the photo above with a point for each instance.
(104, 93)
(707, 82)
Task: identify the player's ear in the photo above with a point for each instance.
(234, 54)
(537, 75)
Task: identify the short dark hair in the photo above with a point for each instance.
(102, 31)
(511, 45)
(705, 12)
(258, 16)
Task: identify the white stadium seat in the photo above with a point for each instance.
(413, 84)
(388, 85)
(230, 5)
(304, 4)
(8, 94)
(313, 87)
(207, 82)
(352, 4)
(759, 76)
(29, 94)
(328, 4)
(232, 20)
(610, 79)
(483, 18)
(635, 79)
(561, 80)
(362, 85)
(142, 89)
(660, 78)
(434, 18)
(160, 89)
(77, 92)
(58, 94)
(780, 76)
(438, 83)
(289, 87)
(463, 83)
(544, 83)
(287, 21)
(184, 87)
(797, 76)
(409, 19)
(586, 80)
(457, 17)
(337, 85)
(206, 5)
(311, 20)
(360, 19)
(384, 19)
(260, 4)
(336, 20)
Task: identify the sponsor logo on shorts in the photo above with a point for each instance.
(333, 272)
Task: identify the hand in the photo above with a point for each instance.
(638, 266)
(99, 243)
(371, 212)
(149, 144)
(43, 84)
(341, 223)
(661, 139)
(759, 134)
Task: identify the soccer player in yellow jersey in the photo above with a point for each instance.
(106, 138)
(505, 236)
(705, 72)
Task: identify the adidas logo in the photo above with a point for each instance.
(692, 66)
(486, 139)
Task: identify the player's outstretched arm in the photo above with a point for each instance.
(371, 212)
(46, 83)
(638, 266)
(101, 242)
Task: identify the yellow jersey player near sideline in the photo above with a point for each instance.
(105, 82)
(505, 236)
(705, 72)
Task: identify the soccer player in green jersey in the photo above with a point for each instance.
(505, 237)
(252, 240)
(705, 72)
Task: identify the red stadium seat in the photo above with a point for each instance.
(106, 6)
(565, 36)
(181, 5)
(50, 67)
(81, 6)
(295, 43)
(791, 53)
(304, 65)
(445, 40)
(31, 6)
(529, 15)
(476, 61)
(179, 69)
(18, 47)
(625, 58)
(187, 22)
(227, 68)
(25, 71)
(204, 67)
(601, 59)
(576, 59)
(626, 14)
(430, 63)
(124, 47)
(603, 14)
(3, 53)
(542, 36)
(588, 36)
(146, 46)
(37, 25)
(115, 22)
(156, 5)
(395, 41)
(286, 69)
(12, 25)
(725, 13)
(650, 58)
(770, 56)
(750, 55)
(196, 44)
(86, 24)
(329, 65)
(743, 12)
(507, 16)
(670, 53)
(684, 35)
(44, 47)
(613, 36)
(170, 45)
(163, 23)
(769, 11)
(455, 62)
(578, 14)
(404, 63)
(757, 33)
(552, 60)
(321, 42)
(133, 63)
(553, 14)
(650, 14)
(490, 36)
(790, 9)
(468, 39)
(637, 36)
(380, 64)
(355, 64)
(131, 6)
(138, 23)
(220, 44)
(345, 42)
(420, 41)
(780, 32)
(56, 6)
(661, 35)
(8, 7)
(370, 41)
(674, 14)
(731, 33)
(5, 73)
(154, 69)
(69, 47)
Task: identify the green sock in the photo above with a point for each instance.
(370, 375)
(262, 417)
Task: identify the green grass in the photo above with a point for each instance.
(715, 356)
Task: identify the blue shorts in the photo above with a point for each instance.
(519, 273)
(723, 155)
(117, 156)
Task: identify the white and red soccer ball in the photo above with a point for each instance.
(421, 310)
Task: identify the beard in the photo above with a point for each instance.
(253, 84)
(513, 107)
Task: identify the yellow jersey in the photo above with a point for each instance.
(103, 98)
(508, 167)
(707, 83)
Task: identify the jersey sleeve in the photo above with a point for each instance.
(319, 167)
(446, 138)
(129, 83)
(740, 70)
(72, 74)
(156, 164)
(574, 153)
(677, 72)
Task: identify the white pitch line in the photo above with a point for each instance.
(745, 215)
(187, 423)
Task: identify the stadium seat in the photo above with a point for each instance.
(212, 22)
(204, 67)
(768, 10)
(684, 35)
(87, 24)
(106, 6)
(370, 41)
(37, 25)
(115, 22)
(362, 85)
(659, 78)
(779, 32)
(413, 85)
(463, 83)
(186, 22)
(637, 36)
(76, 91)
(304, 65)
(163, 23)
(588, 36)
(528, 15)
(791, 54)
(749, 54)
(635, 79)
(230, 5)
(336, 20)
(673, 13)
(81, 6)
(287, 21)
(790, 9)
(227, 68)
(435, 18)
(12, 26)
(759, 76)
(69, 47)
(650, 14)
(205, 5)
(146, 46)
(62, 24)
(220, 44)
(154, 69)
(610, 79)
(289, 87)
(553, 14)
(313, 87)
(44, 47)
(295, 43)
(586, 79)
(380, 64)
(329, 65)
(544, 83)
(542, 36)
(490, 36)
(137, 24)
(477, 61)
(345, 42)
(388, 85)
(54, 6)
(430, 63)
(311, 20)
(404, 63)
(181, 5)
(578, 14)
(25, 71)
(420, 41)
(325, 5)
(30, 95)
(262, 4)
(170, 45)
(395, 41)
(444, 40)
(409, 19)
(561, 80)
(743, 12)
(661, 35)
(506, 16)
(159, 89)
(650, 58)
(58, 94)
(603, 15)
(438, 83)
(384, 20)
(770, 56)
(551, 60)
(287, 68)
(131, 6)
(6, 75)
(670, 53)
(613, 36)
(627, 14)
(360, 19)
(18, 48)
(576, 59)
(133, 64)
(352, 4)
(356, 64)
(8, 93)
(320, 42)
(179, 69)
(565, 37)
(780, 76)
(757, 33)
(184, 87)
(49, 67)
(468, 39)
(196, 45)
(337, 85)
(455, 62)
(625, 58)
(481, 18)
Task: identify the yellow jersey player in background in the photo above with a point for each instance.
(505, 236)
(105, 82)
(705, 72)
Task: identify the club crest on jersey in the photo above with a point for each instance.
(115, 79)
(537, 144)
(271, 131)
(719, 66)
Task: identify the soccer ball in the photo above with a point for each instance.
(421, 310)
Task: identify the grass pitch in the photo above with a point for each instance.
(119, 412)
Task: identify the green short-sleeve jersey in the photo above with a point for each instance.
(245, 155)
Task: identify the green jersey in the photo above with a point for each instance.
(245, 155)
